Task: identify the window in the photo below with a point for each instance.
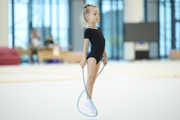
(177, 29)
(166, 21)
(48, 17)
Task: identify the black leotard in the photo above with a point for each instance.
(97, 41)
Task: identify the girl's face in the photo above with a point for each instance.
(94, 15)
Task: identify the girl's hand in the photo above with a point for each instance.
(82, 63)
(105, 61)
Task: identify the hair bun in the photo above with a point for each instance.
(87, 5)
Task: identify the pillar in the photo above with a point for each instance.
(133, 13)
(152, 16)
(77, 31)
(4, 23)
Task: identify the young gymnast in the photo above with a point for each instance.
(92, 34)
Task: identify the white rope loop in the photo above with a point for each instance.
(87, 95)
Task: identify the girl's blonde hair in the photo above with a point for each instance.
(87, 9)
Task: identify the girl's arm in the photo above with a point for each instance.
(105, 57)
(85, 49)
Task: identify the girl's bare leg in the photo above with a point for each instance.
(92, 70)
(91, 75)
(97, 68)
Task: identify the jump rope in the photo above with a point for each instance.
(85, 90)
